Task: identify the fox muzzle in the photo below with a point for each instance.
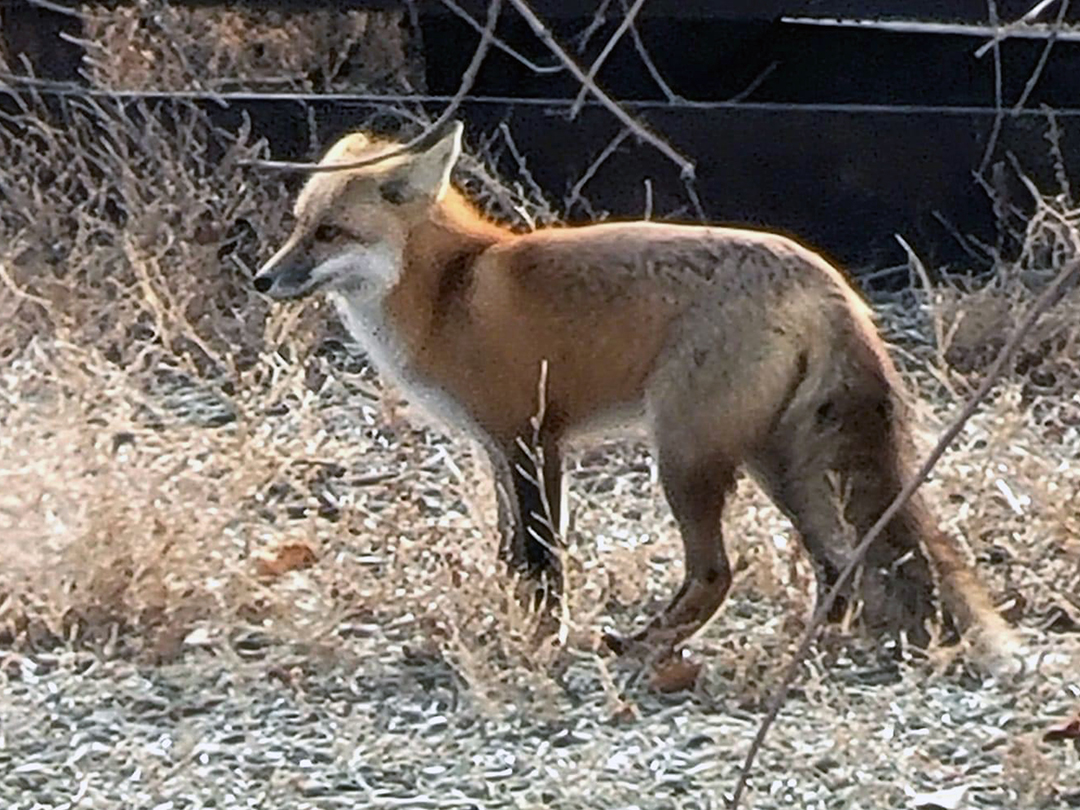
(285, 276)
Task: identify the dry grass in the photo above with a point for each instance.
(130, 229)
(154, 45)
(162, 425)
(165, 431)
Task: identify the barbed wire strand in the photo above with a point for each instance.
(17, 83)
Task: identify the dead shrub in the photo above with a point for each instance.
(133, 227)
(155, 45)
(975, 318)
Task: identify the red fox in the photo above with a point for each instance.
(734, 348)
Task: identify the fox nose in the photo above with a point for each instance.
(263, 283)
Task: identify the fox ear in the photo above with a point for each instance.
(428, 171)
(348, 148)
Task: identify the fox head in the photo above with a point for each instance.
(351, 225)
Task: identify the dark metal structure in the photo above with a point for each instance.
(841, 133)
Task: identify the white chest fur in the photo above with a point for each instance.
(365, 319)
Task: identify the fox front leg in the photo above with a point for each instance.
(530, 509)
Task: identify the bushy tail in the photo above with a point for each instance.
(888, 460)
(839, 454)
(967, 601)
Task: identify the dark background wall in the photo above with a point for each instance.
(843, 137)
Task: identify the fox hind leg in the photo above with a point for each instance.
(833, 466)
(695, 488)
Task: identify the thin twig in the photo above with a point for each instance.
(595, 24)
(963, 241)
(18, 291)
(533, 451)
(695, 200)
(1036, 10)
(539, 201)
(173, 42)
(467, 80)
(756, 82)
(650, 66)
(594, 68)
(501, 43)
(56, 7)
(1044, 301)
(686, 166)
(999, 113)
(608, 151)
(1044, 57)
(932, 304)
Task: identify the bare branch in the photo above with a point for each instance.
(686, 166)
(650, 66)
(467, 80)
(575, 192)
(627, 22)
(500, 43)
(999, 114)
(1044, 57)
(1049, 296)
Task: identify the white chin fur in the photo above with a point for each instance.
(360, 270)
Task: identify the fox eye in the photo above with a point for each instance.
(395, 192)
(328, 233)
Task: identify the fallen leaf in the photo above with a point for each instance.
(625, 714)
(675, 675)
(1067, 729)
(1058, 619)
(289, 557)
(945, 799)
(199, 637)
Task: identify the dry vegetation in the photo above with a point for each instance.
(154, 45)
(184, 470)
